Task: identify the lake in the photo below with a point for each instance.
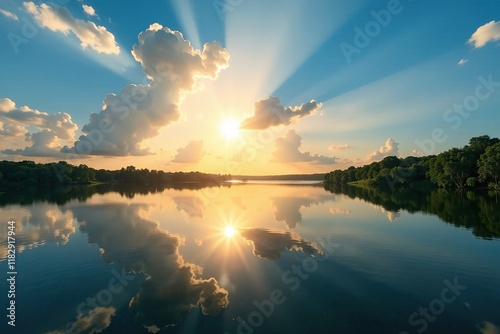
(251, 258)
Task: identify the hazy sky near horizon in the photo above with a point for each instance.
(245, 86)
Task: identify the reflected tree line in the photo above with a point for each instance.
(473, 210)
(31, 173)
(63, 194)
(476, 165)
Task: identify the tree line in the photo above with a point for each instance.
(31, 173)
(473, 166)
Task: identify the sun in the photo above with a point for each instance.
(229, 231)
(229, 129)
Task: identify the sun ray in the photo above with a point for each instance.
(185, 13)
(279, 37)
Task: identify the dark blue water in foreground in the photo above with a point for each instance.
(252, 258)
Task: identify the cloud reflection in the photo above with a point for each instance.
(487, 327)
(270, 244)
(392, 216)
(35, 226)
(287, 209)
(172, 287)
(95, 321)
(191, 205)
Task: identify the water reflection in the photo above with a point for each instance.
(173, 286)
(487, 327)
(270, 244)
(94, 321)
(478, 212)
(339, 211)
(287, 209)
(191, 205)
(35, 226)
(392, 216)
(165, 235)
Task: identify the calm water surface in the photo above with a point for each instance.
(252, 258)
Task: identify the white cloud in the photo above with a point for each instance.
(390, 148)
(59, 19)
(287, 150)
(59, 123)
(416, 153)
(270, 112)
(463, 61)
(191, 153)
(338, 147)
(52, 131)
(7, 105)
(138, 112)
(11, 130)
(485, 34)
(89, 10)
(9, 15)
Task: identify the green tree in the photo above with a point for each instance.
(83, 174)
(452, 168)
(389, 162)
(489, 166)
(479, 144)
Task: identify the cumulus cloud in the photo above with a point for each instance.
(138, 112)
(270, 244)
(286, 149)
(270, 112)
(89, 10)
(53, 130)
(7, 105)
(9, 15)
(463, 61)
(44, 144)
(191, 153)
(416, 153)
(484, 34)
(338, 147)
(390, 148)
(173, 287)
(59, 19)
(11, 130)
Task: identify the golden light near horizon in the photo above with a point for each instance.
(230, 129)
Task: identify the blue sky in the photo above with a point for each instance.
(339, 83)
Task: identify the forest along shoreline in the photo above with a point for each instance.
(475, 166)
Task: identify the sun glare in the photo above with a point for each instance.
(229, 231)
(230, 129)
